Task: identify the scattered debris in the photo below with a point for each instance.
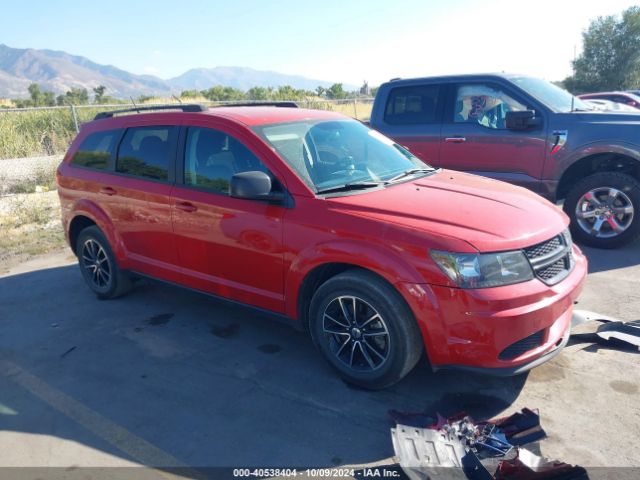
(610, 329)
(68, 352)
(459, 447)
(628, 332)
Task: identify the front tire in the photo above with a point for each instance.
(365, 329)
(98, 265)
(604, 209)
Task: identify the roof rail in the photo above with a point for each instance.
(189, 107)
(261, 104)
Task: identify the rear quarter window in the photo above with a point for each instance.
(412, 105)
(96, 149)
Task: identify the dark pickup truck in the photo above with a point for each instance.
(529, 132)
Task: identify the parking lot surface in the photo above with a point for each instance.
(168, 377)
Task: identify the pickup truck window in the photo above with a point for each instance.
(412, 105)
(328, 154)
(484, 105)
(551, 95)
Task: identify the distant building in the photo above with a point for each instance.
(364, 89)
(6, 102)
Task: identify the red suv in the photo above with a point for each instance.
(315, 217)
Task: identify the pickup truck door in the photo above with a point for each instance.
(412, 118)
(475, 138)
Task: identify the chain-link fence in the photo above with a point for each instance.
(46, 131)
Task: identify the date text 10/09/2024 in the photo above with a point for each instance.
(375, 472)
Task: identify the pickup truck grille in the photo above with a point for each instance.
(552, 260)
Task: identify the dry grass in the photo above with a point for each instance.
(29, 225)
(50, 132)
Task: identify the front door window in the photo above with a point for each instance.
(484, 105)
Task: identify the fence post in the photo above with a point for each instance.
(75, 117)
(355, 110)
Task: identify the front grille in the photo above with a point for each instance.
(522, 346)
(551, 260)
(544, 248)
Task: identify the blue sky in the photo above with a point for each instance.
(345, 40)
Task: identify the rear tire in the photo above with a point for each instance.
(605, 210)
(364, 329)
(98, 265)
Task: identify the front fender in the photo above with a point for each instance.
(561, 162)
(382, 261)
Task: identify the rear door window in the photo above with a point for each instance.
(147, 152)
(412, 105)
(96, 150)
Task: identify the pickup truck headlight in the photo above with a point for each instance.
(482, 270)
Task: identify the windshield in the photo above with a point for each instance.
(329, 154)
(551, 95)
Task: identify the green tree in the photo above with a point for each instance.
(99, 94)
(38, 98)
(35, 94)
(610, 59)
(75, 96)
(321, 91)
(189, 94)
(336, 92)
(259, 93)
(48, 99)
(220, 93)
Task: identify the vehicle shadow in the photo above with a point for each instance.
(601, 260)
(168, 377)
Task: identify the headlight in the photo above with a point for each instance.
(482, 270)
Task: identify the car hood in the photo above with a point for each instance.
(487, 214)
(622, 117)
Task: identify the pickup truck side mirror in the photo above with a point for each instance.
(522, 120)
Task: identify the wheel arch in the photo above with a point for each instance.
(87, 213)
(314, 267)
(595, 163)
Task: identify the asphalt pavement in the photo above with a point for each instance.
(172, 378)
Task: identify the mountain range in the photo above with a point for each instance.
(59, 71)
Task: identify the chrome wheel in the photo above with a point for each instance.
(604, 212)
(96, 261)
(357, 334)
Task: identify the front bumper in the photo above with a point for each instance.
(472, 329)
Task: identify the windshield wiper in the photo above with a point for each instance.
(345, 187)
(409, 172)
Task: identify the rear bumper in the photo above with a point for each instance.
(491, 330)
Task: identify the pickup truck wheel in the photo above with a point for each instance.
(365, 329)
(604, 209)
(98, 265)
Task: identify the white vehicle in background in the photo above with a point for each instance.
(609, 106)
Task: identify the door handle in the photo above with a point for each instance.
(186, 207)
(455, 139)
(107, 191)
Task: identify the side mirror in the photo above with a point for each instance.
(254, 185)
(522, 120)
